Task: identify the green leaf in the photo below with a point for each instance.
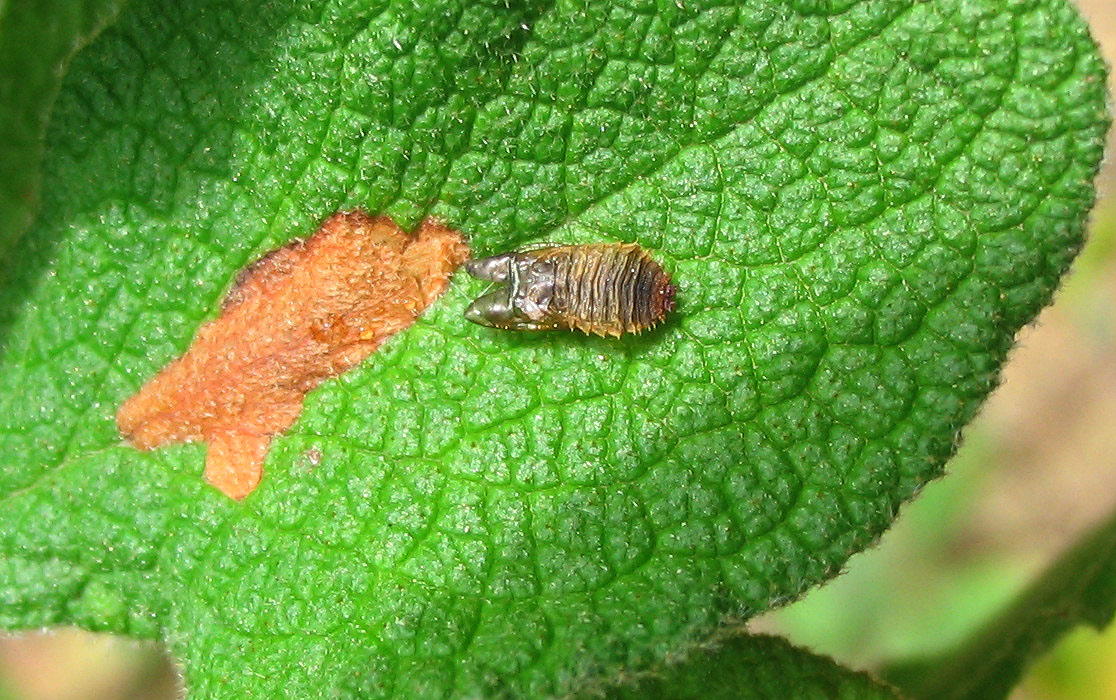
(861, 202)
(37, 40)
(754, 667)
(1080, 588)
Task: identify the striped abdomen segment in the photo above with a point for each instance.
(607, 288)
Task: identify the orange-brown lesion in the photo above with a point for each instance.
(297, 316)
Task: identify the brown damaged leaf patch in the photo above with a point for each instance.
(296, 317)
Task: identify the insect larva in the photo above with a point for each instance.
(601, 288)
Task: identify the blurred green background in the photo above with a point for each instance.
(1037, 469)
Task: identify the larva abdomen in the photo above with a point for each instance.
(609, 289)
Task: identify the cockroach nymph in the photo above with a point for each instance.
(600, 288)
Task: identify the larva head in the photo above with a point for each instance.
(496, 309)
(519, 301)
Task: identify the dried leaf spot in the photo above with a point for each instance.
(297, 316)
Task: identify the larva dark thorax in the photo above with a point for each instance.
(604, 288)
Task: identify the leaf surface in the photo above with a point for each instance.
(861, 203)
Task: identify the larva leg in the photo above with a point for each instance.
(495, 268)
(495, 310)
